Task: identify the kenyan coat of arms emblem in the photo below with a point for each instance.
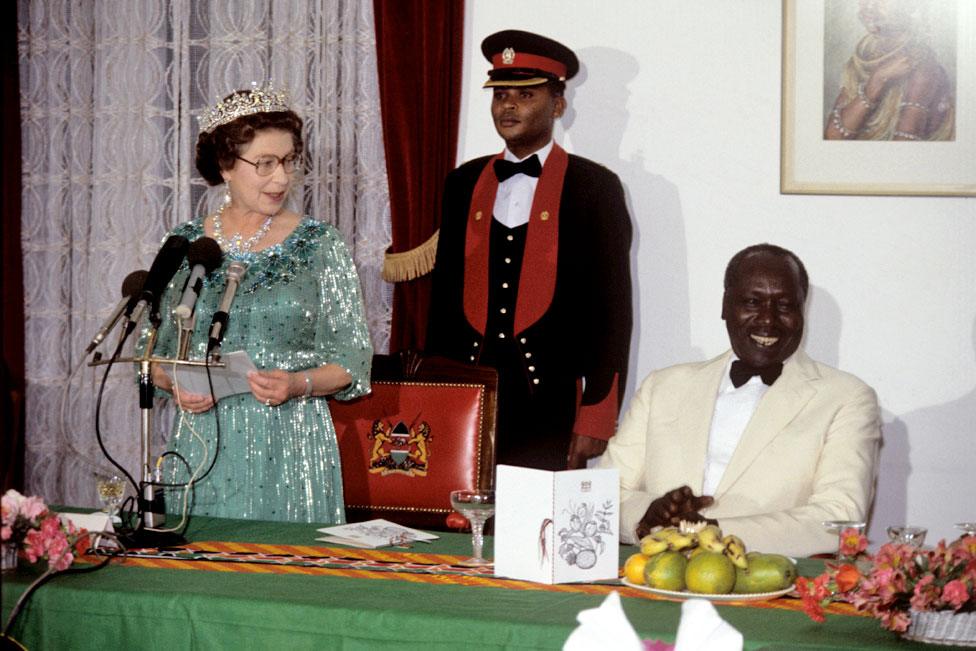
(399, 448)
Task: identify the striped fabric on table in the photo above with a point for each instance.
(381, 564)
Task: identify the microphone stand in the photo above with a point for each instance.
(150, 503)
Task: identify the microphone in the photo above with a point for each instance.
(168, 260)
(203, 256)
(131, 287)
(218, 325)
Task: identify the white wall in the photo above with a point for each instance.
(682, 100)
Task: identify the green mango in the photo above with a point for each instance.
(765, 573)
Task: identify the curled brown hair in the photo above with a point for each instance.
(218, 150)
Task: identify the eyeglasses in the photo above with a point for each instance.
(266, 165)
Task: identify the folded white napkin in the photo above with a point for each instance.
(702, 629)
(604, 627)
(97, 521)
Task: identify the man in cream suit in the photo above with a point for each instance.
(761, 439)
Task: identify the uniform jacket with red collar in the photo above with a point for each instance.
(573, 317)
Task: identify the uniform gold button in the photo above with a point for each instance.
(508, 261)
(528, 355)
(522, 340)
(477, 216)
(532, 368)
(503, 310)
(501, 335)
(504, 285)
(535, 380)
(544, 216)
(510, 238)
(475, 344)
(472, 358)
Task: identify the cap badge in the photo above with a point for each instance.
(508, 56)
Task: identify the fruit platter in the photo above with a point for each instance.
(697, 560)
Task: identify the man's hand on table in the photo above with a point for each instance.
(673, 507)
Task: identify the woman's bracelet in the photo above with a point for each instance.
(914, 105)
(308, 385)
(836, 121)
(864, 98)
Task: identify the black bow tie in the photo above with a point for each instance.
(741, 372)
(505, 169)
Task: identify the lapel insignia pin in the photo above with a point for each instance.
(508, 56)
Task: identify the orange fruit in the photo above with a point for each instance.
(710, 573)
(634, 568)
(666, 571)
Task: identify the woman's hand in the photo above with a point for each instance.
(195, 403)
(894, 70)
(275, 387)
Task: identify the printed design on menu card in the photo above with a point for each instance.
(582, 542)
(398, 448)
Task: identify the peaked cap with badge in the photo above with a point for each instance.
(525, 59)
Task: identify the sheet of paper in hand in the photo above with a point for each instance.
(374, 533)
(557, 527)
(227, 380)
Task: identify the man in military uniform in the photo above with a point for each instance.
(532, 275)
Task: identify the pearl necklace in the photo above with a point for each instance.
(237, 246)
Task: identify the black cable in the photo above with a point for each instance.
(98, 411)
(50, 572)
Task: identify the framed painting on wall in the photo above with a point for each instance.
(879, 97)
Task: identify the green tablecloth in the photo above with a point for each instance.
(146, 608)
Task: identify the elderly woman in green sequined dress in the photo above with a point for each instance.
(298, 313)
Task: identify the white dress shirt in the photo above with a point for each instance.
(513, 202)
(733, 409)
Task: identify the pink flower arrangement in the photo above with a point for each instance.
(898, 579)
(30, 525)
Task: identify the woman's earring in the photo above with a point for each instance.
(226, 201)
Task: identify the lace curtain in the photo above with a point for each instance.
(110, 92)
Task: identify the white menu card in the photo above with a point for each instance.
(557, 527)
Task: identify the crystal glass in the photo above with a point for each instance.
(477, 506)
(838, 527)
(907, 535)
(111, 492)
(967, 528)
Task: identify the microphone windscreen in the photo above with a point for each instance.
(132, 285)
(165, 265)
(205, 251)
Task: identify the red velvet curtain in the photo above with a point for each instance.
(419, 51)
(11, 270)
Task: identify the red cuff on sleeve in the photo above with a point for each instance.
(597, 421)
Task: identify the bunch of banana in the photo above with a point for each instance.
(688, 537)
(735, 549)
(710, 539)
(670, 539)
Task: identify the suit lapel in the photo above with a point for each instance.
(695, 420)
(777, 408)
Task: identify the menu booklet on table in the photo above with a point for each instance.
(374, 533)
(557, 527)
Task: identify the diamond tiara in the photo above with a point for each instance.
(244, 102)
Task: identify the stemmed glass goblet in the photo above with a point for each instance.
(477, 506)
(840, 526)
(907, 535)
(111, 491)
